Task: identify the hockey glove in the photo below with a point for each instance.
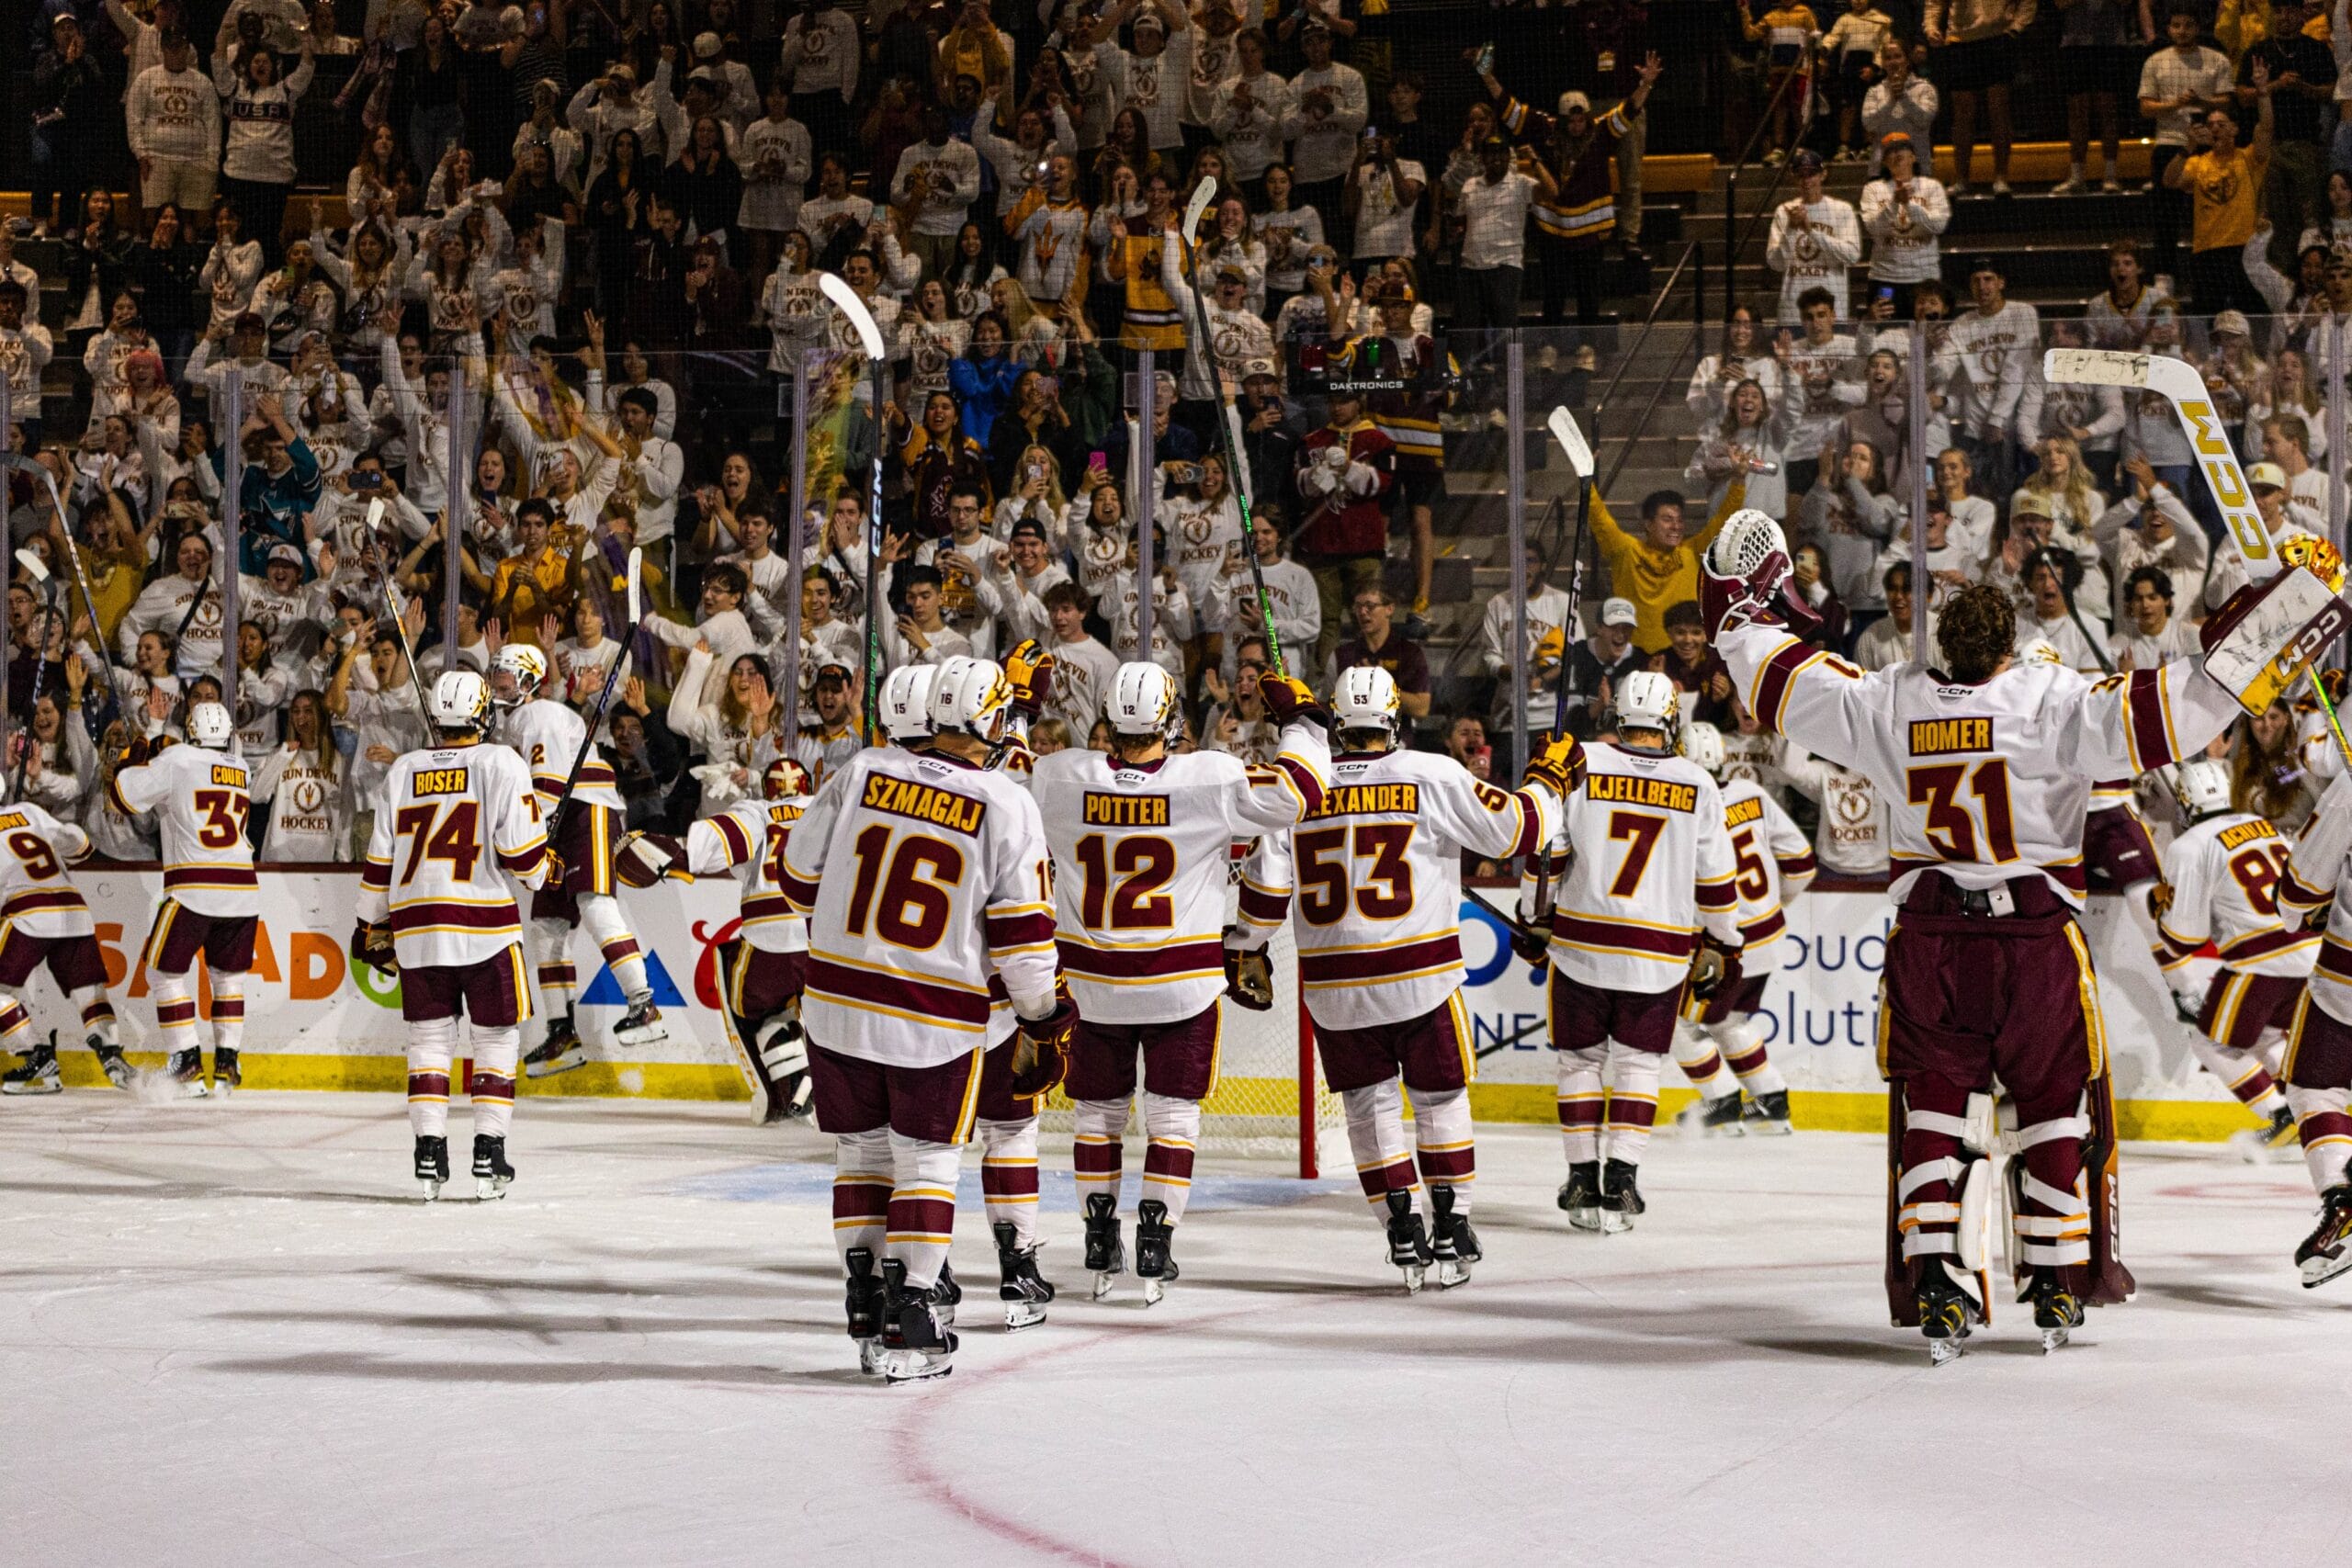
(1039, 1049)
(553, 875)
(372, 944)
(1708, 967)
(1559, 767)
(1249, 977)
(1532, 942)
(1029, 670)
(2189, 1006)
(1288, 697)
(644, 859)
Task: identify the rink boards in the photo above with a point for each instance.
(313, 1022)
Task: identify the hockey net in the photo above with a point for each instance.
(1270, 1101)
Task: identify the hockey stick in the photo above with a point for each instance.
(1228, 426)
(869, 337)
(398, 607)
(611, 679)
(1563, 426)
(39, 574)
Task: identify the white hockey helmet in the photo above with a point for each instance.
(971, 697)
(1649, 700)
(461, 700)
(1364, 698)
(210, 726)
(906, 702)
(1142, 696)
(2201, 785)
(1704, 744)
(526, 667)
(2039, 650)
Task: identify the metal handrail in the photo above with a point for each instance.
(1732, 249)
(1657, 303)
(1626, 448)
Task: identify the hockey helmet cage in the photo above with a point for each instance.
(783, 779)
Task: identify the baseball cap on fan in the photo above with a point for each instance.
(707, 46)
(1619, 612)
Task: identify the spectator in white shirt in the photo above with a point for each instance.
(173, 114)
(659, 467)
(2148, 633)
(2177, 85)
(1494, 203)
(1899, 102)
(1328, 107)
(939, 177)
(1816, 237)
(1904, 211)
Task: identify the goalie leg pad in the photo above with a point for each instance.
(2053, 1222)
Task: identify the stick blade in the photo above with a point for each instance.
(636, 587)
(375, 514)
(33, 566)
(1240, 462)
(2095, 367)
(869, 334)
(1564, 430)
(1203, 194)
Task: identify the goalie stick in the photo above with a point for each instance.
(869, 336)
(1564, 429)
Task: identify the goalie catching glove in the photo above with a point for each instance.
(1249, 977)
(1745, 575)
(1029, 670)
(1559, 767)
(372, 944)
(645, 859)
(1288, 697)
(1040, 1047)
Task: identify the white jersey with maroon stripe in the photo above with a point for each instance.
(1988, 782)
(2317, 877)
(200, 800)
(1141, 859)
(2222, 880)
(548, 736)
(34, 896)
(748, 839)
(1772, 863)
(455, 822)
(929, 890)
(1649, 861)
(1377, 869)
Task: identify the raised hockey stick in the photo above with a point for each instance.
(612, 677)
(39, 574)
(1563, 426)
(25, 464)
(869, 337)
(396, 602)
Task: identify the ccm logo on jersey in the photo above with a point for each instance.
(1370, 800)
(1633, 791)
(2244, 832)
(1937, 736)
(234, 777)
(904, 797)
(438, 781)
(1126, 810)
(1742, 812)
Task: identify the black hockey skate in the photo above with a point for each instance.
(227, 1074)
(2327, 1251)
(1409, 1241)
(1714, 1118)
(2057, 1311)
(187, 1068)
(559, 1052)
(1621, 1196)
(432, 1165)
(945, 1295)
(864, 1305)
(1580, 1195)
(1155, 1249)
(493, 1175)
(1453, 1247)
(2257, 1145)
(1944, 1312)
(113, 1062)
(641, 1025)
(37, 1074)
(1105, 1258)
(1024, 1292)
(1769, 1113)
(915, 1345)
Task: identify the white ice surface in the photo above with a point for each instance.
(232, 1336)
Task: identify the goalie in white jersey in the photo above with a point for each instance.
(44, 920)
(1986, 765)
(1378, 873)
(1142, 845)
(455, 821)
(762, 963)
(925, 876)
(584, 828)
(1772, 864)
(2221, 884)
(1643, 903)
(198, 792)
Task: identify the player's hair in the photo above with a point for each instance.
(1978, 629)
(2154, 577)
(1685, 614)
(1817, 295)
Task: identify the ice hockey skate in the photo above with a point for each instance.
(37, 1074)
(1106, 1259)
(560, 1052)
(1620, 1197)
(1768, 1113)
(2259, 1146)
(432, 1165)
(228, 1073)
(1580, 1195)
(641, 1025)
(186, 1069)
(1722, 1118)
(864, 1306)
(1408, 1242)
(915, 1344)
(1453, 1247)
(2327, 1251)
(1024, 1291)
(113, 1062)
(1155, 1238)
(1944, 1310)
(2057, 1311)
(493, 1175)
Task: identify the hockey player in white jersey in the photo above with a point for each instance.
(2315, 889)
(1986, 765)
(1142, 845)
(44, 920)
(1377, 869)
(457, 820)
(198, 792)
(2221, 884)
(1643, 905)
(761, 965)
(926, 877)
(1772, 864)
(584, 828)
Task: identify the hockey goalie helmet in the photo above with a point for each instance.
(783, 779)
(1142, 697)
(906, 702)
(1649, 700)
(1744, 574)
(971, 697)
(1365, 698)
(516, 674)
(1704, 744)
(2201, 785)
(210, 726)
(461, 700)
